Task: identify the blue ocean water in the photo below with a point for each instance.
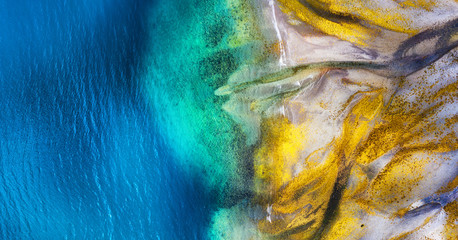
(81, 154)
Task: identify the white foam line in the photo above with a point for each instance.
(282, 50)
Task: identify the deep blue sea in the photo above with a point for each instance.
(81, 154)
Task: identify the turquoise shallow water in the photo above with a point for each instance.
(189, 59)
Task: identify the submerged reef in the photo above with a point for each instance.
(350, 109)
